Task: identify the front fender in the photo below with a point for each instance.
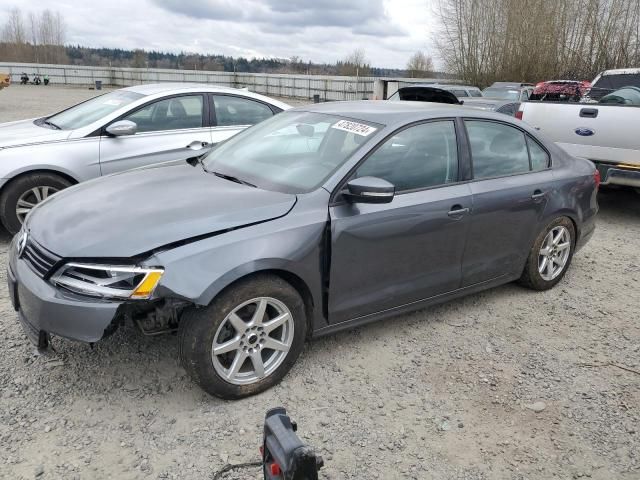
(77, 159)
(292, 244)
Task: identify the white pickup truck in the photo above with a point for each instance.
(607, 134)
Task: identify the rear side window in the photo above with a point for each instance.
(232, 110)
(499, 150)
(417, 157)
(170, 114)
(496, 149)
(539, 157)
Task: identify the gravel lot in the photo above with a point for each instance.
(445, 393)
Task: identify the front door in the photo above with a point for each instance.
(173, 128)
(387, 255)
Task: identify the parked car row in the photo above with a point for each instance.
(603, 131)
(317, 219)
(452, 94)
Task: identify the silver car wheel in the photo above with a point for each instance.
(31, 198)
(554, 253)
(252, 341)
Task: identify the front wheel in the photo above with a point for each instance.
(550, 256)
(23, 193)
(246, 340)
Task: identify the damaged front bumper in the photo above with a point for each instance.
(44, 310)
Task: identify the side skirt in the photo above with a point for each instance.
(417, 305)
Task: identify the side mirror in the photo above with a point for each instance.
(369, 190)
(122, 127)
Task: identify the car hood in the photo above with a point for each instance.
(127, 214)
(14, 134)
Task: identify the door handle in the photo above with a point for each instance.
(457, 211)
(197, 145)
(538, 195)
(589, 112)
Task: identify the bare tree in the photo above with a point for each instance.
(419, 64)
(532, 40)
(355, 63)
(14, 31)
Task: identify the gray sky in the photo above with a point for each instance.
(318, 30)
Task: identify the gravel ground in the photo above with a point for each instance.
(504, 384)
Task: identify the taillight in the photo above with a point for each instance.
(519, 114)
(596, 177)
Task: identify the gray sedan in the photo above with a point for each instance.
(322, 218)
(123, 129)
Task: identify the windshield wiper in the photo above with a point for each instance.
(233, 179)
(51, 124)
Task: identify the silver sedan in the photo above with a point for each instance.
(117, 131)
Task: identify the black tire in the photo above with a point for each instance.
(17, 187)
(198, 326)
(531, 277)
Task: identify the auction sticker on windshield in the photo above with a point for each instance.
(354, 127)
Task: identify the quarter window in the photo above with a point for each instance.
(232, 110)
(169, 114)
(417, 157)
(539, 157)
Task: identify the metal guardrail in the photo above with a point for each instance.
(277, 85)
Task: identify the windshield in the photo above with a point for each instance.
(501, 93)
(293, 152)
(94, 109)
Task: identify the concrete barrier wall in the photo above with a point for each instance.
(277, 85)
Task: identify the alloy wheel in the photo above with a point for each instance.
(252, 341)
(31, 198)
(554, 253)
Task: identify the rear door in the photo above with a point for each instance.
(511, 181)
(171, 128)
(387, 255)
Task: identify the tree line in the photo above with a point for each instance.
(40, 38)
(483, 41)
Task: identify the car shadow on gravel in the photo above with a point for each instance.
(143, 365)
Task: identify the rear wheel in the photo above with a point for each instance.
(23, 193)
(550, 255)
(246, 340)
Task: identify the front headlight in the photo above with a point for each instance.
(108, 281)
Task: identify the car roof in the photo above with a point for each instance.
(510, 85)
(441, 85)
(390, 113)
(183, 87)
(487, 101)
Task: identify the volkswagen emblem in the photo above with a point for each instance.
(22, 243)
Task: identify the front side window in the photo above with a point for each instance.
(417, 157)
(475, 93)
(292, 152)
(459, 93)
(232, 110)
(169, 114)
(93, 110)
(496, 149)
